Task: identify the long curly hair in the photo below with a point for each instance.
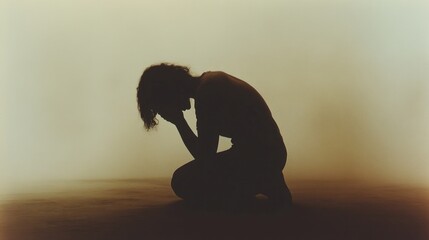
(158, 84)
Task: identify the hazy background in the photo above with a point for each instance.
(347, 82)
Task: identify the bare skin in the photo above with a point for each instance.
(227, 106)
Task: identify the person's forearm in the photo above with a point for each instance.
(188, 137)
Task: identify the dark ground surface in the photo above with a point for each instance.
(147, 209)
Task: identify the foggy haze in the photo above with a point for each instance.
(346, 81)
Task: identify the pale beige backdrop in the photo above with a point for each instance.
(347, 81)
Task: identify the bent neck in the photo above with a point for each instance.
(192, 85)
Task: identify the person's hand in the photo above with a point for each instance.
(172, 115)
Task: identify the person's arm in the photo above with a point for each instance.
(202, 147)
(188, 136)
(208, 140)
(208, 135)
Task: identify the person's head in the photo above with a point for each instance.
(162, 86)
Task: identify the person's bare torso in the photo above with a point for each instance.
(235, 109)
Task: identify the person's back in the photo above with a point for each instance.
(237, 111)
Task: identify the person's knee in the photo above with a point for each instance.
(180, 181)
(177, 183)
(187, 181)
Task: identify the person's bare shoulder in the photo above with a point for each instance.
(212, 82)
(214, 76)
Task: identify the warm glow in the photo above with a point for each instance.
(347, 82)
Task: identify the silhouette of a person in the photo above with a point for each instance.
(224, 106)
